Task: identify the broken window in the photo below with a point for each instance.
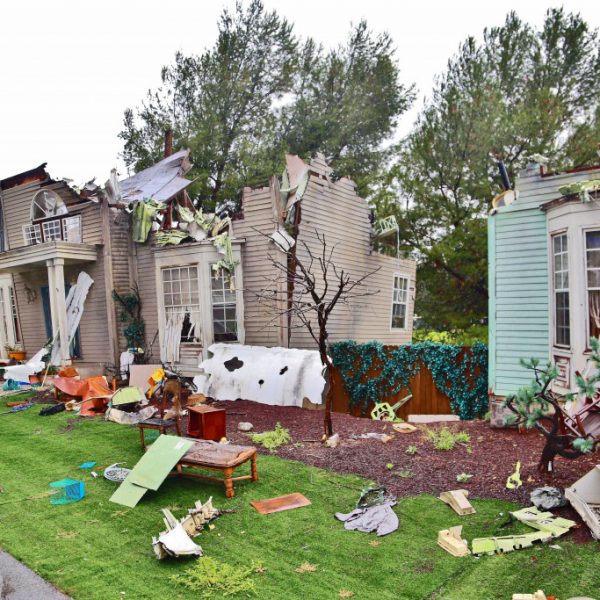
(224, 307)
(47, 203)
(592, 255)
(560, 267)
(182, 300)
(400, 302)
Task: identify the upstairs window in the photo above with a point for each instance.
(560, 269)
(400, 302)
(592, 262)
(46, 204)
(224, 306)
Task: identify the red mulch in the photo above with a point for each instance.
(492, 459)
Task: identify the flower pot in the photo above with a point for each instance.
(17, 355)
(34, 379)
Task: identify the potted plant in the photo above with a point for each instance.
(15, 352)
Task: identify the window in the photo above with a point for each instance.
(181, 299)
(592, 256)
(560, 271)
(47, 203)
(9, 315)
(222, 285)
(51, 230)
(32, 234)
(400, 302)
(71, 227)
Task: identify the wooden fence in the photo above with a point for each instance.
(427, 398)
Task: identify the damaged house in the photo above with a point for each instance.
(544, 276)
(197, 275)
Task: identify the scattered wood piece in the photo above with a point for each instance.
(288, 502)
(451, 541)
(404, 427)
(539, 595)
(457, 499)
(432, 418)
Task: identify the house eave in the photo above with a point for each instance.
(35, 256)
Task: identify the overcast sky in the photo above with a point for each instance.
(69, 68)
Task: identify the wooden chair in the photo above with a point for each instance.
(170, 389)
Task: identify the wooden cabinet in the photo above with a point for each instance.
(206, 423)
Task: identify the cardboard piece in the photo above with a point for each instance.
(584, 496)
(272, 505)
(457, 499)
(152, 469)
(451, 541)
(539, 595)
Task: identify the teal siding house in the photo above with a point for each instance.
(544, 276)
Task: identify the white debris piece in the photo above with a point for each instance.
(33, 366)
(278, 376)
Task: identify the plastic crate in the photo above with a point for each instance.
(66, 491)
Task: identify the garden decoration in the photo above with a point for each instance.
(460, 374)
(571, 422)
(384, 412)
(514, 480)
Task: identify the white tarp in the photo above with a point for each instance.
(280, 376)
(75, 300)
(33, 366)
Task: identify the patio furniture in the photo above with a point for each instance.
(170, 389)
(206, 454)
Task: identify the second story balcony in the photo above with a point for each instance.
(65, 228)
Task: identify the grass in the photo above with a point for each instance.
(444, 439)
(95, 549)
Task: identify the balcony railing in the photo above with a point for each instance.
(66, 229)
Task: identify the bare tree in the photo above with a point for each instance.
(305, 291)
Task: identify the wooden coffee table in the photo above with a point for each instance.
(205, 454)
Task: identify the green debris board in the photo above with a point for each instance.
(127, 395)
(152, 469)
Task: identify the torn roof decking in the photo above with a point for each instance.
(161, 181)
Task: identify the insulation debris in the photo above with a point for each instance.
(33, 366)
(581, 188)
(279, 376)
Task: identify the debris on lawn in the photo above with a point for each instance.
(273, 505)
(244, 426)
(115, 473)
(346, 594)
(451, 541)
(404, 428)
(422, 419)
(382, 437)
(272, 439)
(87, 465)
(17, 408)
(66, 491)
(151, 470)
(547, 497)
(129, 418)
(384, 412)
(52, 410)
(548, 527)
(457, 500)
(333, 441)
(176, 540)
(584, 496)
(373, 512)
(514, 480)
(539, 595)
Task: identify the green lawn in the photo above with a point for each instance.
(97, 549)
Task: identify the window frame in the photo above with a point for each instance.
(406, 277)
(560, 234)
(198, 305)
(224, 305)
(586, 287)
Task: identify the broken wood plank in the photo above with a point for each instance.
(288, 502)
(457, 500)
(451, 541)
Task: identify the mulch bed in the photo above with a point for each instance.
(492, 457)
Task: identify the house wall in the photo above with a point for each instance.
(332, 208)
(519, 305)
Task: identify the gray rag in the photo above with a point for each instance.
(380, 518)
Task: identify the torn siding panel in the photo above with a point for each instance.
(257, 224)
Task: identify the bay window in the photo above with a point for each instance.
(560, 272)
(592, 263)
(224, 309)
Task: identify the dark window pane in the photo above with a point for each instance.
(592, 239)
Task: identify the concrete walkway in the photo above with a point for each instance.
(17, 582)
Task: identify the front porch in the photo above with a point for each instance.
(47, 261)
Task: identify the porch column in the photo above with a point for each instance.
(51, 295)
(61, 308)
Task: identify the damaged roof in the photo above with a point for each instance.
(161, 181)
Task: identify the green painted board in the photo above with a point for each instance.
(128, 494)
(127, 395)
(153, 468)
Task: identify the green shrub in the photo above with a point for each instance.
(210, 577)
(272, 439)
(445, 439)
(461, 337)
(411, 450)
